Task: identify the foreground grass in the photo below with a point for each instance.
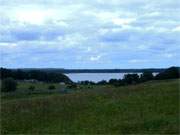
(152, 107)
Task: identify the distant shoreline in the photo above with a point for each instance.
(66, 71)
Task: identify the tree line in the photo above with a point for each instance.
(170, 73)
(8, 78)
(33, 74)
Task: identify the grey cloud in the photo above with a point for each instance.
(76, 26)
(31, 33)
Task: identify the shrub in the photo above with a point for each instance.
(86, 82)
(51, 87)
(32, 87)
(72, 86)
(89, 87)
(119, 83)
(146, 76)
(103, 82)
(9, 84)
(113, 81)
(131, 78)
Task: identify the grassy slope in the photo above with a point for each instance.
(151, 107)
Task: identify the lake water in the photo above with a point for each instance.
(95, 77)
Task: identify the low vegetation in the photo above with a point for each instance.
(32, 88)
(143, 104)
(146, 108)
(8, 85)
(51, 87)
(72, 86)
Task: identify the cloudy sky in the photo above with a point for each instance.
(89, 33)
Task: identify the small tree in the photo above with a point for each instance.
(113, 81)
(9, 84)
(131, 79)
(32, 87)
(146, 76)
(51, 87)
(72, 86)
(103, 82)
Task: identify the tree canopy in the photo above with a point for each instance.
(34, 74)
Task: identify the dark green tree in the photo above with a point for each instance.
(8, 84)
(72, 86)
(51, 87)
(34, 74)
(170, 73)
(31, 87)
(103, 82)
(146, 76)
(113, 81)
(131, 78)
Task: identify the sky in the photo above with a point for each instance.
(77, 34)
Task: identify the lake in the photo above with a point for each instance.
(95, 77)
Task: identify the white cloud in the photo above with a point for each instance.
(176, 29)
(95, 58)
(168, 55)
(121, 21)
(31, 16)
(127, 31)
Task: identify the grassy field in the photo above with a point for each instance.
(151, 107)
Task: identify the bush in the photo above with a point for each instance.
(131, 78)
(9, 84)
(146, 76)
(51, 87)
(103, 82)
(72, 86)
(113, 81)
(119, 83)
(86, 82)
(31, 87)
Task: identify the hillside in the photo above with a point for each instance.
(151, 107)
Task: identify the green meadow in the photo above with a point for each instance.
(147, 108)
